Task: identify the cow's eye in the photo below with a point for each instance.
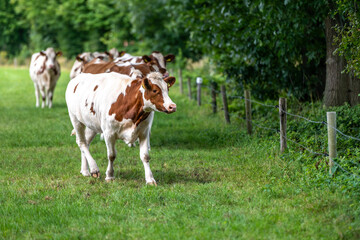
(155, 91)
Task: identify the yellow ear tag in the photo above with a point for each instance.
(122, 54)
(168, 60)
(143, 85)
(168, 85)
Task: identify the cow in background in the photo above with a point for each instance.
(45, 71)
(155, 59)
(79, 63)
(114, 53)
(84, 58)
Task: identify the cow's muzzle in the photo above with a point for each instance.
(171, 108)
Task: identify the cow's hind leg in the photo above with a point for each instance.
(89, 136)
(111, 152)
(43, 96)
(145, 158)
(50, 98)
(37, 94)
(81, 141)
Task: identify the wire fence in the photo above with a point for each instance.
(324, 123)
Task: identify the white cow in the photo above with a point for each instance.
(119, 107)
(45, 71)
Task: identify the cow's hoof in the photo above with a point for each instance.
(95, 174)
(85, 173)
(153, 183)
(109, 179)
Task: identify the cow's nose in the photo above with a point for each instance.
(166, 74)
(172, 108)
(51, 66)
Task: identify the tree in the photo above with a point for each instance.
(14, 32)
(273, 46)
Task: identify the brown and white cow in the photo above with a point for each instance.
(119, 107)
(155, 59)
(133, 70)
(79, 63)
(45, 71)
(114, 53)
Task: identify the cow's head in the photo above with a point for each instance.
(114, 53)
(156, 93)
(158, 62)
(50, 58)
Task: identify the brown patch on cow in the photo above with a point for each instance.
(130, 106)
(147, 158)
(75, 87)
(92, 67)
(92, 108)
(139, 60)
(154, 94)
(95, 87)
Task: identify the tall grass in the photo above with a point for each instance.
(214, 181)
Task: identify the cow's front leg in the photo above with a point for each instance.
(111, 153)
(145, 158)
(43, 96)
(50, 98)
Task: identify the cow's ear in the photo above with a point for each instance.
(78, 58)
(59, 53)
(170, 81)
(42, 53)
(122, 53)
(146, 84)
(146, 58)
(169, 58)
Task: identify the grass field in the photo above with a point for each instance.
(214, 182)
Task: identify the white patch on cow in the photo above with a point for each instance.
(160, 59)
(123, 64)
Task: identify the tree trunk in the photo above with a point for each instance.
(337, 84)
(354, 90)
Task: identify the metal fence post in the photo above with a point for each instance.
(199, 82)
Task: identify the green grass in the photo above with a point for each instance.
(214, 181)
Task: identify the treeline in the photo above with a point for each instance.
(279, 47)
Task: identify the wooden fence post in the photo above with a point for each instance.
(199, 82)
(213, 97)
(226, 110)
(282, 115)
(331, 121)
(248, 111)
(181, 81)
(189, 87)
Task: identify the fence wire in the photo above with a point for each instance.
(293, 115)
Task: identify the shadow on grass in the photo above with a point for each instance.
(167, 176)
(196, 138)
